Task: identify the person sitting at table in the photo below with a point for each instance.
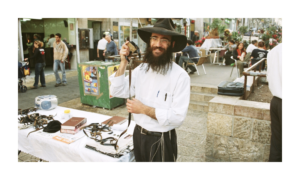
(249, 49)
(258, 54)
(239, 54)
(230, 47)
(191, 50)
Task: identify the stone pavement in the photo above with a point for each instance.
(63, 93)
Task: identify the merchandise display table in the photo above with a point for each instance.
(52, 150)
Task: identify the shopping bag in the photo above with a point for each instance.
(26, 71)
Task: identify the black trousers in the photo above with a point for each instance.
(276, 129)
(253, 61)
(149, 148)
(228, 59)
(101, 57)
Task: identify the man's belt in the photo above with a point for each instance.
(146, 132)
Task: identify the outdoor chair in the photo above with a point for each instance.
(203, 54)
(235, 65)
(218, 55)
(200, 62)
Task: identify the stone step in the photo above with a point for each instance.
(201, 97)
(198, 106)
(205, 89)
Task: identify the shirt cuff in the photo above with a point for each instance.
(162, 116)
(117, 81)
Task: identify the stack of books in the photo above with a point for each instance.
(73, 125)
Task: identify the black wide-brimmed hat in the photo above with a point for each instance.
(52, 127)
(164, 26)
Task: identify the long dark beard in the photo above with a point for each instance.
(160, 64)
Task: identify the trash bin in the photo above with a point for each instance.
(94, 84)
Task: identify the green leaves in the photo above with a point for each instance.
(243, 29)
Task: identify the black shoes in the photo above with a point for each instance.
(192, 72)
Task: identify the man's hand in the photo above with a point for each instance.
(124, 51)
(62, 61)
(135, 106)
(25, 59)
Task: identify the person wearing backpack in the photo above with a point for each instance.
(40, 63)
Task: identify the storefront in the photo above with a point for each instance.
(44, 27)
(120, 28)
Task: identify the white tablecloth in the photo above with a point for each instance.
(54, 151)
(211, 43)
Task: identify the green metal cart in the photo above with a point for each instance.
(94, 84)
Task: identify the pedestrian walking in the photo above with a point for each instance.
(40, 63)
(161, 89)
(274, 76)
(60, 53)
(101, 47)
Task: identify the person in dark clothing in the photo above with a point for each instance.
(36, 37)
(111, 48)
(195, 36)
(258, 54)
(39, 56)
(69, 47)
(230, 47)
(274, 77)
(191, 50)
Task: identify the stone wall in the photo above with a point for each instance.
(237, 130)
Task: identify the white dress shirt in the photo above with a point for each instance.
(274, 72)
(169, 94)
(50, 42)
(102, 44)
(250, 48)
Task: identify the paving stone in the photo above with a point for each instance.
(209, 145)
(221, 108)
(261, 131)
(220, 148)
(248, 112)
(219, 124)
(242, 127)
(182, 158)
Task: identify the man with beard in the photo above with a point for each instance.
(161, 89)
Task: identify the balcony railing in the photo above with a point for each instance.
(247, 73)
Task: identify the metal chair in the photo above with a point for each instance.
(200, 62)
(235, 65)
